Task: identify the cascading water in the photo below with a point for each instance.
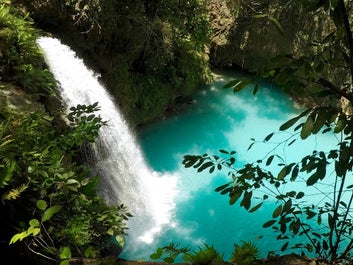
(125, 177)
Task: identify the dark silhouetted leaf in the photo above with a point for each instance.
(307, 128)
(268, 223)
(256, 207)
(277, 212)
(284, 247)
(269, 160)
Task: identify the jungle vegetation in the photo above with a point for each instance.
(50, 210)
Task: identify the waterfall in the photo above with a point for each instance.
(124, 174)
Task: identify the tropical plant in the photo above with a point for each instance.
(206, 255)
(245, 253)
(58, 212)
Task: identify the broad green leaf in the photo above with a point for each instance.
(18, 236)
(50, 212)
(34, 223)
(154, 256)
(65, 255)
(41, 205)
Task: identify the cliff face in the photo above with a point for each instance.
(145, 52)
(249, 33)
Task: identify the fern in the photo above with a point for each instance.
(245, 253)
(7, 167)
(14, 193)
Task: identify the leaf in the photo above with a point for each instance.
(50, 212)
(269, 160)
(256, 88)
(289, 123)
(234, 197)
(204, 166)
(222, 187)
(65, 255)
(319, 121)
(287, 206)
(277, 24)
(300, 195)
(295, 172)
(256, 207)
(242, 84)
(341, 123)
(34, 223)
(268, 223)
(168, 260)
(246, 202)
(18, 236)
(312, 179)
(291, 142)
(260, 16)
(283, 173)
(277, 212)
(284, 247)
(41, 205)
(154, 256)
(268, 137)
(232, 83)
(307, 127)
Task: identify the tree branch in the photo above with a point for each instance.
(337, 90)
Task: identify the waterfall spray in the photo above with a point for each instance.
(124, 175)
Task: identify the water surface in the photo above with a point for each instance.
(219, 119)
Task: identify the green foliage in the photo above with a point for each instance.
(206, 255)
(169, 253)
(245, 253)
(56, 195)
(20, 58)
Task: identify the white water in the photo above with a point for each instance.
(125, 177)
